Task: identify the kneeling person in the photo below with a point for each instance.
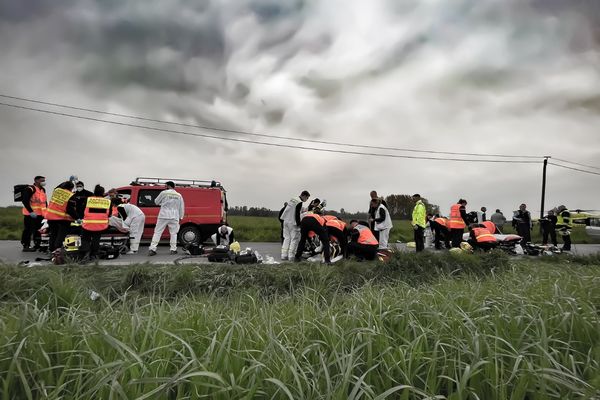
(363, 243)
(481, 237)
(224, 236)
(315, 223)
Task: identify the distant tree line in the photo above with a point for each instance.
(400, 206)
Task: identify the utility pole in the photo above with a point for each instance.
(544, 186)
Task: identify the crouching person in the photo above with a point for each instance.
(134, 220)
(481, 237)
(363, 243)
(224, 236)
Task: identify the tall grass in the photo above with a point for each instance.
(521, 331)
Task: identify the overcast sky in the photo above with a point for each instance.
(492, 76)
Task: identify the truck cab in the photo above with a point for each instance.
(205, 206)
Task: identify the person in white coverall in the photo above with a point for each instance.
(291, 217)
(383, 222)
(133, 222)
(171, 212)
(224, 236)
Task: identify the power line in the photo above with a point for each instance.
(262, 143)
(574, 169)
(574, 163)
(240, 132)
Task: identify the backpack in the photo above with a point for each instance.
(18, 192)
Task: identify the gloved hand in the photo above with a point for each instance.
(79, 222)
(33, 215)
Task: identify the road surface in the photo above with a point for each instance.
(10, 253)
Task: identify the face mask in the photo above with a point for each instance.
(79, 189)
(42, 184)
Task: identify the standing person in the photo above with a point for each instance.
(482, 215)
(134, 220)
(61, 211)
(383, 223)
(549, 228)
(363, 243)
(522, 222)
(373, 211)
(95, 220)
(429, 232)
(313, 222)
(498, 219)
(80, 197)
(292, 216)
(280, 218)
(172, 210)
(419, 222)
(34, 211)
(458, 221)
(224, 236)
(563, 225)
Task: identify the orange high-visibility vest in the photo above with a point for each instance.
(95, 216)
(336, 223)
(456, 221)
(483, 235)
(490, 226)
(57, 208)
(441, 221)
(365, 235)
(37, 203)
(329, 217)
(317, 217)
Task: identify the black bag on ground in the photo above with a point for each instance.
(108, 252)
(249, 258)
(194, 249)
(18, 192)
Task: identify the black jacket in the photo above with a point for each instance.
(80, 199)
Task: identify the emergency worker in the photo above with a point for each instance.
(61, 211)
(134, 220)
(419, 222)
(94, 222)
(224, 236)
(363, 243)
(172, 210)
(563, 227)
(291, 217)
(457, 222)
(313, 222)
(34, 211)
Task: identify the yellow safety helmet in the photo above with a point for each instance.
(466, 247)
(72, 243)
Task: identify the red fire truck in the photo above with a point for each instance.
(205, 206)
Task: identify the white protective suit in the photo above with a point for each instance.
(226, 241)
(134, 223)
(172, 210)
(383, 227)
(291, 231)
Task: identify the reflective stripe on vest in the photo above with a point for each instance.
(365, 235)
(564, 221)
(456, 221)
(37, 202)
(57, 208)
(95, 216)
(482, 235)
(317, 217)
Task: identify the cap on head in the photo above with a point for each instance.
(170, 184)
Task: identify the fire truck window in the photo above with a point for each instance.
(125, 194)
(146, 198)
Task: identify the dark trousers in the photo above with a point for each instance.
(363, 251)
(441, 235)
(90, 243)
(281, 231)
(549, 231)
(567, 242)
(457, 236)
(58, 231)
(31, 228)
(419, 238)
(310, 224)
(341, 238)
(524, 231)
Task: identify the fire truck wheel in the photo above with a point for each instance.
(189, 235)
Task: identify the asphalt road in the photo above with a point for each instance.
(10, 253)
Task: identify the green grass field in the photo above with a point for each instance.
(420, 326)
(261, 229)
